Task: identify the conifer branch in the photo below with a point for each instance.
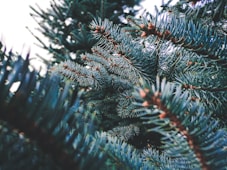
(211, 89)
(119, 47)
(164, 108)
(180, 118)
(94, 76)
(155, 99)
(171, 33)
(20, 110)
(48, 143)
(124, 133)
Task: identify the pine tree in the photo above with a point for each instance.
(149, 94)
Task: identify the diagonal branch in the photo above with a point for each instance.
(155, 99)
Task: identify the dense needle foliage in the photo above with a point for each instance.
(149, 93)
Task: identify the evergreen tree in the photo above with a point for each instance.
(151, 94)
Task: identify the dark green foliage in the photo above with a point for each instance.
(18, 152)
(66, 23)
(44, 127)
(43, 109)
(149, 95)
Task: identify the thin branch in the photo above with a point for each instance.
(217, 89)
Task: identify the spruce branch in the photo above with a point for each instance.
(94, 76)
(166, 105)
(43, 109)
(185, 112)
(187, 86)
(14, 107)
(116, 42)
(124, 133)
(48, 143)
(66, 22)
(192, 36)
(174, 121)
(18, 151)
(125, 108)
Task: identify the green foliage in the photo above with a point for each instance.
(65, 24)
(149, 95)
(109, 75)
(188, 53)
(188, 130)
